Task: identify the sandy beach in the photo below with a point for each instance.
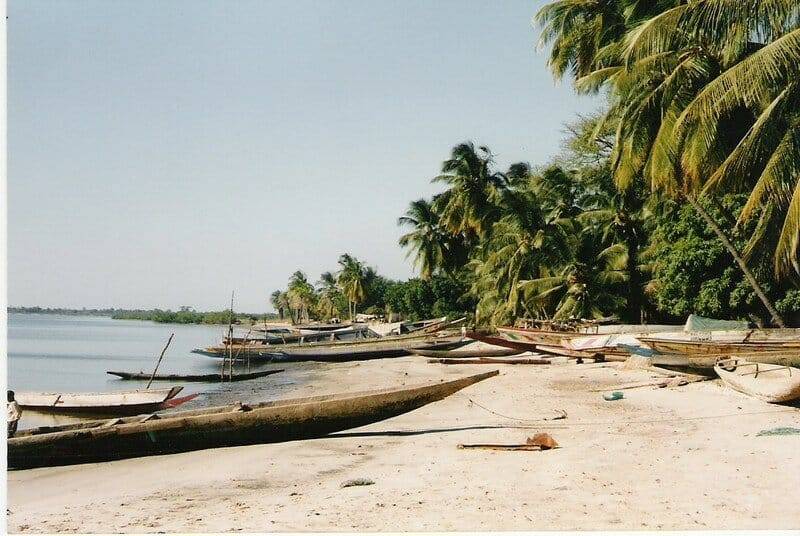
(661, 458)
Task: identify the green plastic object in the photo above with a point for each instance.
(616, 395)
(779, 431)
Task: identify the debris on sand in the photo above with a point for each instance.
(357, 482)
(538, 442)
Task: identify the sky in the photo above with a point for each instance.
(167, 153)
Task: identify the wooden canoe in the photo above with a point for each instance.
(227, 426)
(208, 378)
(113, 403)
(466, 353)
(244, 351)
(492, 361)
(668, 346)
(378, 350)
(770, 383)
(533, 347)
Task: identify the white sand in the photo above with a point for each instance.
(695, 463)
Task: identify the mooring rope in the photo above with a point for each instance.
(564, 422)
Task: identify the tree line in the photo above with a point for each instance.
(682, 195)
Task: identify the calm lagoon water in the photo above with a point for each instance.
(61, 353)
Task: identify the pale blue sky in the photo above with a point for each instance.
(166, 153)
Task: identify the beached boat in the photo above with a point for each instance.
(673, 346)
(114, 403)
(357, 352)
(771, 383)
(208, 378)
(537, 348)
(492, 361)
(226, 426)
(466, 353)
(365, 348)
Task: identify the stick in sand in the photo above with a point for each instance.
(159, 361)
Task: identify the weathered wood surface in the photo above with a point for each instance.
(465, 353)
(120, 402)
(193, 377)
(770, 383)
(267, 422)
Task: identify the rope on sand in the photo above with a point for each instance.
(651, 421)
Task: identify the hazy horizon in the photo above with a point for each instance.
(165, 154)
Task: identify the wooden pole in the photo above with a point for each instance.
(153, 375)
(230, 340)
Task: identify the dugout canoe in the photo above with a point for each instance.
(492, 361)
(770, 383)
(377, 350)
(208, 378)
(369, 348)
(466, 353)
(533, 347)
(672, 346)
(112, 403)
(226, 426)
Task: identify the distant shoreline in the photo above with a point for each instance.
(161, 316)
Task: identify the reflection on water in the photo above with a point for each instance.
(61, 353)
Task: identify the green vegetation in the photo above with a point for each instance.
(357, 286)
(681, 196)
(185, 315)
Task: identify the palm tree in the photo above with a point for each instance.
(588, 286)
(352, 280)
(279, 302)
(301, 296)
(705, 99)
(528, 237)
(469, 206)
(434, 249)
(328, 295)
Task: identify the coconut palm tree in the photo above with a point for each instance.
(588, 286)
(301, 296)
(704, 96)
(434, 248)
(469, 206)
(329, 294)
(280, 302)
(352, 279)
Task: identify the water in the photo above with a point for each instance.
(62, 353)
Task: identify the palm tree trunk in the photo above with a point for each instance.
(634, 304)
(738, 258)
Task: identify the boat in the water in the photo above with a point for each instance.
(466, 353)
(207, 378)
(770, 383)
(226, 426)
(112, 403)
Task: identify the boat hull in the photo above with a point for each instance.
(665, 346)
(207, 378)
(224, 427)
(112, 404)
(772, 384)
